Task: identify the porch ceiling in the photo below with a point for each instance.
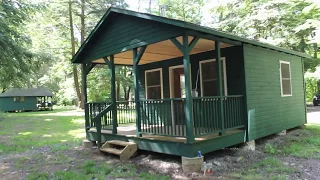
(162, 51)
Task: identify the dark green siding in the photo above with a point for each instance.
(234, 66)
(7, 104)
(123, 33)
(273, 113)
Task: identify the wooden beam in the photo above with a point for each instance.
(86, 107)
(106, 60)
(178, 44)
(113, 95)
(136, 91)
(89, 68)
(188, 107)
(220, 84)
(193, 43)
(140, 54)
(213, 38)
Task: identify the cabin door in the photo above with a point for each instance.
(177, 90)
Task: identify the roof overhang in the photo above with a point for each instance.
(152, 54)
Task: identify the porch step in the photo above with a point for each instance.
(121, 148)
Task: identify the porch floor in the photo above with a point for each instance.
(130, 131)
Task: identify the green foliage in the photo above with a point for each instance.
(185, 10)
(288, 24)
(38, 176)
(149, 176)
(311, 85)
(68, 175)
(269, 148)
(15, 58)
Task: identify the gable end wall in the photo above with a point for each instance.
(122, 33)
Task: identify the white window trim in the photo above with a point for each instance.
(285, 62)
(161, 81)
(224, 74)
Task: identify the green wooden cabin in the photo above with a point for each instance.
(185, 101)
(26, 99)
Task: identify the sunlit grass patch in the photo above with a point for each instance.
(29, 130)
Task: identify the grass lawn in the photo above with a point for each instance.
(24, 131)
(47, 145)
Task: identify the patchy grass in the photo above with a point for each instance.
(269, 168)
(93, 170)
(305, 145)
(30, 130)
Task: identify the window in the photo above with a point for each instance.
(208, 77)
(19, 99)
(153, 83)
(285, 78)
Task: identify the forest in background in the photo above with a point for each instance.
(39, 37)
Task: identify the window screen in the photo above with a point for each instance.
(285, 79)
(153, 84)
(209, 78)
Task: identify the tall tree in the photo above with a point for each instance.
(15, 58)
(185, 10)
(73, 52)
(285, 23)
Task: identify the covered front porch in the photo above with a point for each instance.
(184, 99)
(189, 99)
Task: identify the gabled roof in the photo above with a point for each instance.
(181, 24)
(30, 92)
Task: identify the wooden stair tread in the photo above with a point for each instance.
(111, 150)
(120, 143)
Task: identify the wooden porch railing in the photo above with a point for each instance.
(164, 117)
(125, 113)
(95, 109)
(207, 114)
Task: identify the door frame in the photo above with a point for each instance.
(171, 82)
(171, 86)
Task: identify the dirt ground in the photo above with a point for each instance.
(225, 162)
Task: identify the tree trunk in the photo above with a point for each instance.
(83, 34)
(139, 6)
(127, 93)
(149, 6)
(118, 90)
(73, 51)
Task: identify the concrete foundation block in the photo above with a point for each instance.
(251, 145)
(88, 144)
(282, 133)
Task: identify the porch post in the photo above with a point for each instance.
(136, 91)
(113, 95)
(84, 91)
(220, 84)
(189, 106)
